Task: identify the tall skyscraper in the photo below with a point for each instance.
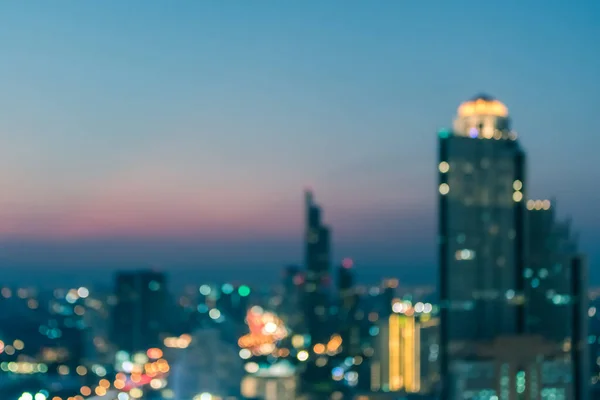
(318, 280)
(513, 296)
(551, 246)
(481, 230)
(430, 350)
(580, 349)
(389, 286)
(348, 306)
(291, 303)
(315, 381)
(139, 315)
(556, 290)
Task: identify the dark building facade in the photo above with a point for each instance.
(291, 310)
(482, 189)
(317, 285)
(556, 289)
(548, 273)
(139, 315)
(509, 271)
(350, 328)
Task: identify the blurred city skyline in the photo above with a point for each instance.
(138, 136)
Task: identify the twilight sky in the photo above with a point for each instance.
(181, 134)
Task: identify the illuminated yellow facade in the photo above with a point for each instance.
(395, 352)
(482, 106)
(397, 366)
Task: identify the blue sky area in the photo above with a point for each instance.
(181, 134)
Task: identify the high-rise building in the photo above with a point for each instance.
(315, 381)
(291, 302)
(512, 287)
(317, 284)
(389, 286)
(348, 307)
(139, 315)
(430, 350)
(551, 246)
(481, 230)
(594, 343)
(396, 361)
(580, 349)
(555, 289)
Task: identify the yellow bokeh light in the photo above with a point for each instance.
(546, 204)
(538, 204)
(444, 189)
(517, 196)
(517, 185)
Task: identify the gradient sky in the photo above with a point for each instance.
(181, 134)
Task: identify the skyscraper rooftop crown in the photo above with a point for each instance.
(483, 104)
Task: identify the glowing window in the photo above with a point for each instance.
(517, 196)
(444, 189)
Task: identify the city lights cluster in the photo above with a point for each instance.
(538, 205)
(11, 349)
(407, 308)
(23, 367)
(180, 342)
(42, 395)
(266, 329)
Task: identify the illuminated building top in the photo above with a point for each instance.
(483, 105)
(483, 117)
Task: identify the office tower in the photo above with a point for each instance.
(139, 315)
(348, 306)
(389, 287)
(315, 380)
(396, 361)
(551, 246)
(430, 351)
(291, 302)
(594, 342)
(579, 346)
(481, 230)
(555, 289)
(317, 284)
